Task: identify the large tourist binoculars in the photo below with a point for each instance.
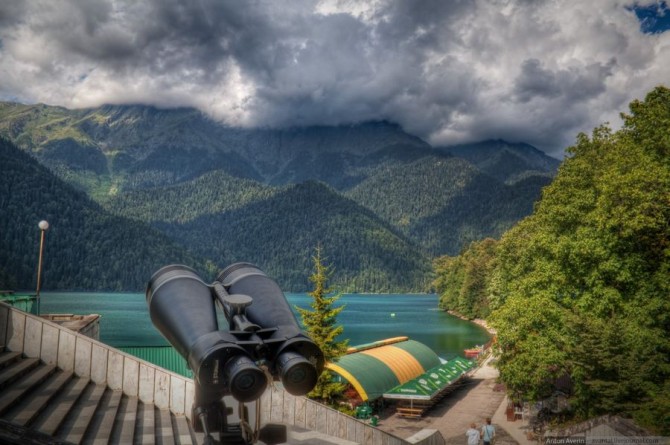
(263, 340)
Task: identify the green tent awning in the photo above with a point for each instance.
(373, 371)
(433, 382)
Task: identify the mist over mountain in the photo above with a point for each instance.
(134, 147)
(381, 202)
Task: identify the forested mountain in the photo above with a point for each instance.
(445, 202)
(463, 281)
(116, 148)
(212, 193)
(277, 228)
(231, 219)
(505, 161)
(194, 179)
(280, 232)
(86, 247)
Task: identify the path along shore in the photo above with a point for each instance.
(479, 398)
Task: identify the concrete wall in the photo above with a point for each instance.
(603, 426)
(70, 351)
(278, 406)
(427, 437)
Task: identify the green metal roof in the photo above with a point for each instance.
(164, 356)
(430, 384)
(426, 356)
(374, 371)
(368, 375)
(26, 303)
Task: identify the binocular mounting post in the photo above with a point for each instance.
(263, 343)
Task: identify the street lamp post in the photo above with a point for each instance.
(44, 226)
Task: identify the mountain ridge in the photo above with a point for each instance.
(123, 141)
(194, 180)
(498, 158)
(364, 249)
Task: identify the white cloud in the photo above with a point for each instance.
(450, 72)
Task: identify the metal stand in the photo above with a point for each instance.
(208, 417)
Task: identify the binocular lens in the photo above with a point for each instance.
(297, 374)
(247, 381)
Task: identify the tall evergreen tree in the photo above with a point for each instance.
(321, 324)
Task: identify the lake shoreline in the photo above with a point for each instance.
(478, 321)
(366, 318)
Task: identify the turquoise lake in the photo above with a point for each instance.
(365, 318)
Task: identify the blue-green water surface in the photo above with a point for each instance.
(366, 318)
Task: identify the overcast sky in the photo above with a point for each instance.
(448, 71)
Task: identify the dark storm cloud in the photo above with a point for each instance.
(574, 84)
(449, 72)
(11, 11)
(155, 36)
(534, 81)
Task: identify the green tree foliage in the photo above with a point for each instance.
(320, 322)
(86, 248)
(278, 230)
(214, 216)
(443, 203)
(581, 287)
(212, 193)
(463, 281)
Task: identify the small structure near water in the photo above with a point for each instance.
(374, 368)
(88, 325)
(25, 303)
(399, 369)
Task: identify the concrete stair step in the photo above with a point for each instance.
(182, 431)
(7, 358)
(50, 420)
(105, 416)
(37, 401)
(146, 424)
(13, 434)
(15, 370)
(124, 430)
(23, 384)
(164, 432)
(77, 422)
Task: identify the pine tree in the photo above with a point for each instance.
(321, 325)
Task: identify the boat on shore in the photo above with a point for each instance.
(473, 352)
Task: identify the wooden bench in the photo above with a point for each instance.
(410, 412)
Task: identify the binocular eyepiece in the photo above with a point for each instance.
(263, 339)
